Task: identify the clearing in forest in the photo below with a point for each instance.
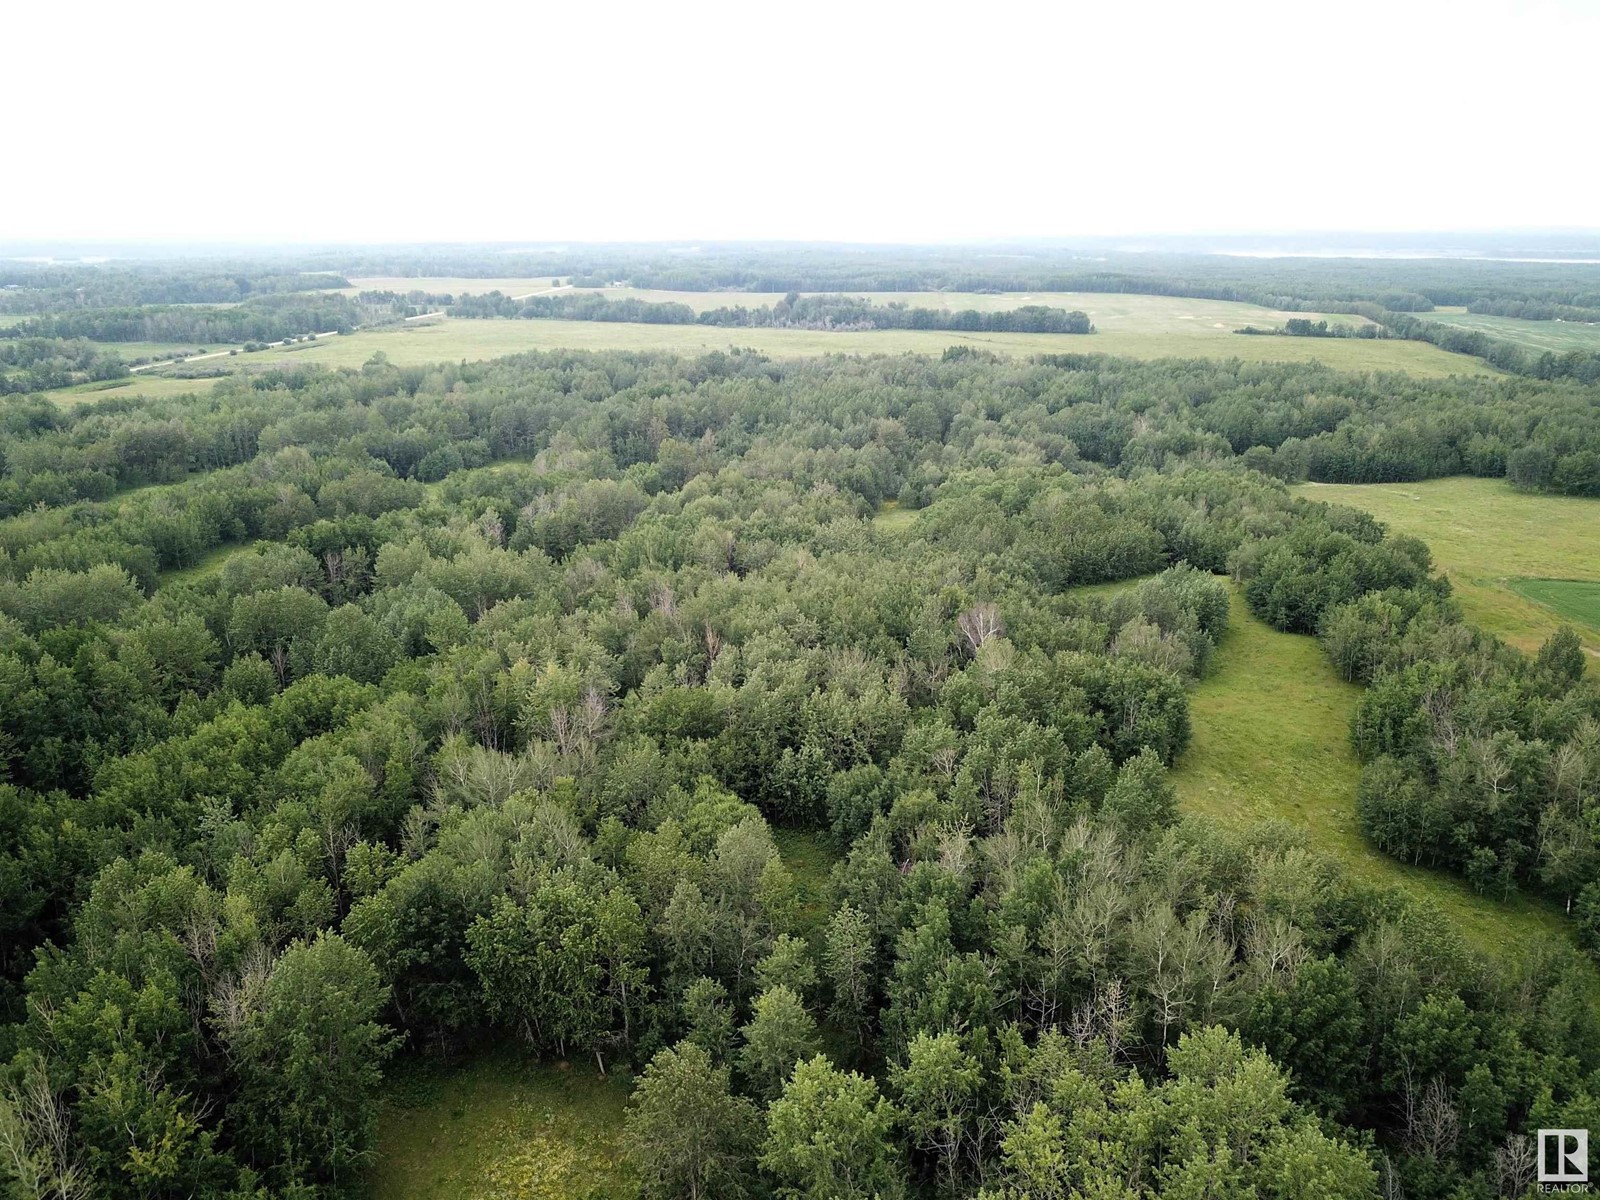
(1272, 742)
(1522, 565)
(503, 1127)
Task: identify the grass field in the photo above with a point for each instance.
(448, 340)
(1271, 741)
(1573, 600)
(1535, 335)
(1500, 549)
(502, 1127)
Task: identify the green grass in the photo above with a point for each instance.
(453, 340)
(1492, 542)
(810, 859)
(1271, 742)
(891, 518)
(507, 1127)
(211, 563)
(1572, 599)
(502, 1127)
(1557, 336)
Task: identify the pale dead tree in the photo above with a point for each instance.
(562, 729)
(333, 567)
(1438, 704)
(713, 646)
(955, 847)
(663, 601)
(946, 760)
(1571, 769)
(36, 1140)
(1274, 947)
(1515, 1164)
(474, 775)
(492, 527)
(593, 712)
(624, 607)
(237, 994)
(1107, 1015)
(980, 623)
(1093, 919)
(1490, 766)
(1389, 1180)
(1433, 1126)
(278, 656)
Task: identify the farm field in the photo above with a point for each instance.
(1271, 742)
(503, 1127)
(1556, 336)
(1500, 548)
(454, 284)
(445, 340)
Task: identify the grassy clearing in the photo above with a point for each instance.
(507, 1127)
(502, 1127)
(1271, 742)
(1535, 335)
(891, 518)
(152, 385)
(1572, 599)
(211, 563)
(1488, 539)
(810, 860)
(452, 340)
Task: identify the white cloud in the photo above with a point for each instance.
(857, 121)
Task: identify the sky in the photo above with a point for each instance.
(861, 121)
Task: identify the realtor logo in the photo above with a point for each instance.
(1563, 1156)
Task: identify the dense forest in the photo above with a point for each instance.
(352, 716)
(49, 287)
(270, 318)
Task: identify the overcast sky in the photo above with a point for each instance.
(859, 121)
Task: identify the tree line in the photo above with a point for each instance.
(792, 312)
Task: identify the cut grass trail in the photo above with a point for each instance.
(1272, 742)
(1518, 563)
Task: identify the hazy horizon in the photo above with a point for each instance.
(845, 123)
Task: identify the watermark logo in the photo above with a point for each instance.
(1563, 1156)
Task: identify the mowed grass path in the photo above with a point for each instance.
(503, 1127)
(1495, 545)
(1272, 742)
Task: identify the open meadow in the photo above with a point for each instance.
(1521, 565)
(1272, 742)
(452, 340)
(1556, 336)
